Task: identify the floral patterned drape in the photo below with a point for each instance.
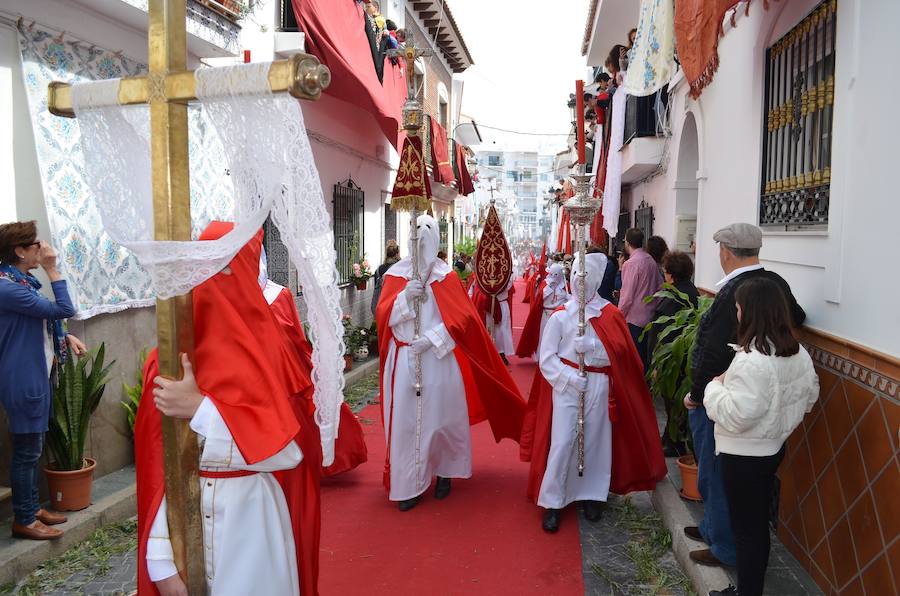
(103, 277)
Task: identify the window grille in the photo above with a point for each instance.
(796, 172)
(349, 207)
(278, 261)
(442, 228)
(390, 223)
(643, 219)
(288, 21)
(494, 160)
(624, 224)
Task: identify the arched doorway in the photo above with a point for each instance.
(686, 186)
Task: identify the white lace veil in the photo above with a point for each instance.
(272, 172)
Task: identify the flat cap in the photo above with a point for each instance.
(739, 235)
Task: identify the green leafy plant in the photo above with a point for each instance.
(669, 374)
(133, 392)
(74, 401)
(466, 245)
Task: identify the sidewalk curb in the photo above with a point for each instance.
(20, 557)
(360, 371)
(676, 517)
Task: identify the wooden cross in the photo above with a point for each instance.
(167, 88)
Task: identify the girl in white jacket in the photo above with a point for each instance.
(756, 404)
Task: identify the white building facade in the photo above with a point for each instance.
(795, 133)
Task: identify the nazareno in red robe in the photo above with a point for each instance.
(531, 332)
(239, 345)
(491, 393)
(350, 447)
(637, 458)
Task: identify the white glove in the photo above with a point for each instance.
(579, 383)
(414, 290)
(418, 346)
(583, 344)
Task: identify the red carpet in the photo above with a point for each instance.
(485, 538)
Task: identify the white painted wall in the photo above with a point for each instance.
(844, 277)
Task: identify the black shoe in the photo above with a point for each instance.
(503, 357)
(409, 503)
(593, 510)
(729, 591)
(442, 488)
(693, 532)
(551, 521)
(705, 557)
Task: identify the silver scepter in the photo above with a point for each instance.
(582, 209)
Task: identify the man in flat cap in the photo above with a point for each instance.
(739, 246)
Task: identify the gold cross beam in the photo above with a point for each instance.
(168, 88)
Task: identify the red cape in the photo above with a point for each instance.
(350, 447)
(484, 303)
(531, 332)
(230, 319)
(637, 458)
(491, 393)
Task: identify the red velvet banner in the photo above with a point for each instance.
(441, 170)
(493, 261)
(463, 179)
(336, 35)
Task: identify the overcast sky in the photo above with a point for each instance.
(527, 57)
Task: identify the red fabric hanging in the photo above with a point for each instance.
(442, 171)
(698, 26)
(463, 179)
(335, 34)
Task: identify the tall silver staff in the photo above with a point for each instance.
(582, 208)
(413, 115)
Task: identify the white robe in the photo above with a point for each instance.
(561, 484)
(247, 535)
(437, 439)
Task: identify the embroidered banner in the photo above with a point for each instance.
(103, 277)
(493, 261)
(411, 187)
(652, 60)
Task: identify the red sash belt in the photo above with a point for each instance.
(226, 473)
(591, 369)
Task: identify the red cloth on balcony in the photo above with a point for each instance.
(698, 26)
(335, 34)
(441, 170)
(463, 179)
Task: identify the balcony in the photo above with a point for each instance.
(645, 130)
(212, 31)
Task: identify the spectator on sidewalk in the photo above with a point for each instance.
(391, 256)
(31, 339)
(658, 249)
(756, 404)
(678, 268)
(739, 246)
(640, 278)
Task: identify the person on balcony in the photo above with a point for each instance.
(31, 339)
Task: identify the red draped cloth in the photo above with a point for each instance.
(637, 458)
(698, 26)
(335, 34)
(442, 169)
(464, 183)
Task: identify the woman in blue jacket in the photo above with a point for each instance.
(31, 337)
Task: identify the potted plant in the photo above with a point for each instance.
(669, 374)
(133, 392)
(360, 274)
(349, 341)
(76, 397)
(360, 343)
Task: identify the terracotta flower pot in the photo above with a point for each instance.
(361, 285)
(348, 362)
(688, 467)
(71, 491)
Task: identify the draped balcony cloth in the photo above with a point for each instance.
(652, 60)
(464, 183)
(612, 188)
(272, 171)
(336, 35)
(441, 168)
(698, 27)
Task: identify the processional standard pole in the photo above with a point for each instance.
(167, 88)
(581, 208)
(413, 116)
